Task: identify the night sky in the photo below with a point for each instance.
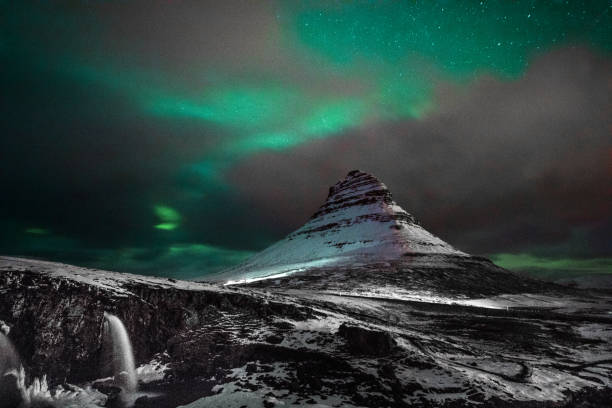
(180, 137)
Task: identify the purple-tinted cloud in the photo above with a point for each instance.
(501, 165)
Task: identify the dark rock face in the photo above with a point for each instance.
(57, 323)
(9, 392)
(363, 341)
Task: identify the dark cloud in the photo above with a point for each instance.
(500, 166)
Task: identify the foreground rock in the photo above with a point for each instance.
(56, 313)
(271, 345)
(364, 341)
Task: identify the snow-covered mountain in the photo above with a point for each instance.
(359, 223)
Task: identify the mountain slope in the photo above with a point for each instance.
(358, 223)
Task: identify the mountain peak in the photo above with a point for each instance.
(358, 223)
(356, 179)
(359, 189)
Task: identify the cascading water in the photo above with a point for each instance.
(9, 360)
(10, 391)
(123, 357)
(16, 392)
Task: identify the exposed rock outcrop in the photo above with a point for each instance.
(57, 321)
(364, 341)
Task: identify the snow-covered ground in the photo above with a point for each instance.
(279, 342)
(115, 282)
(233, 395)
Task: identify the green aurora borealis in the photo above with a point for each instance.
(136, 131)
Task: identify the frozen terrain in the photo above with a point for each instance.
(290, 344)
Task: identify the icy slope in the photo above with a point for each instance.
(358, 223)
(118, 283)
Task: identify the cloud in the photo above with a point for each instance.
(177, 259)
(182, 260)
(501, 165)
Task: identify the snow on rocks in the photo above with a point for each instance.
(282, 344)
(116, 282)
(359, 222)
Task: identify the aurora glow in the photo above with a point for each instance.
(36, 231)
(547, 267)
(461, 38)
(183, 133)
(169, 217)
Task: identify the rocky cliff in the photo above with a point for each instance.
(271, 345)
(55, 313)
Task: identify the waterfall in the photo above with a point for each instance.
(9, 360)
(16, 392)
(123, 358)
(10, 390)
